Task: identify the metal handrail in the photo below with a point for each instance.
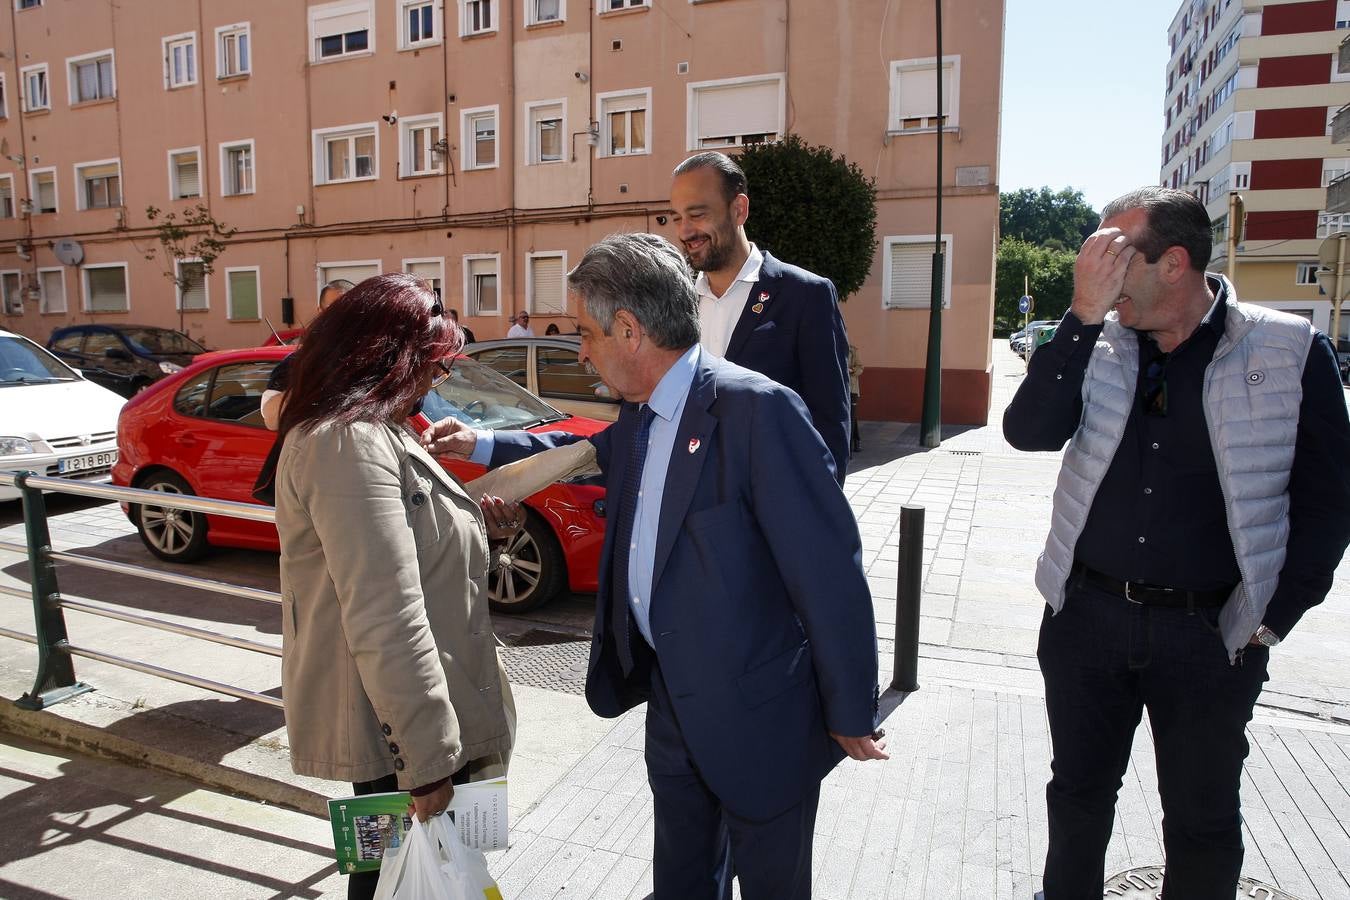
(55, 680)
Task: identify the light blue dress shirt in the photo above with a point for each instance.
(667, 401)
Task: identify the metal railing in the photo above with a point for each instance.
(55, 680)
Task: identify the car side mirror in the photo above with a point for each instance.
(117, 353)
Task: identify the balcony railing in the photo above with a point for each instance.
(1340, 126)
(1343, 57)
(1338, 195)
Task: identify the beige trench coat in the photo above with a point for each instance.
(389, 662)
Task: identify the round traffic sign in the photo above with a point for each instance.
(1025, 304)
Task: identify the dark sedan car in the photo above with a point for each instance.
(123, 358)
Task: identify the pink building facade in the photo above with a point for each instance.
(481, 144)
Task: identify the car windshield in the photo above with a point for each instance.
(161, 340)
(23, 362)
(484, 398)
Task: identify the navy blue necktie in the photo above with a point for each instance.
(620, 590)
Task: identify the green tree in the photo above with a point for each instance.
(1042, 216)
(813, 209)
(195, 235)
(1049, 274)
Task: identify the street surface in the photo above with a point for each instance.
(958, 811)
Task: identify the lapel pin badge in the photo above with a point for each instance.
(757, 308)
(694, 444)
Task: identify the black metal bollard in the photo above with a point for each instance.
(907, 594)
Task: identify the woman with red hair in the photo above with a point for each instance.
(389, 666)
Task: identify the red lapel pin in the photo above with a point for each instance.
(694, 444)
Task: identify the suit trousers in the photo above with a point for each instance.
(1105, 660)
(700, 845)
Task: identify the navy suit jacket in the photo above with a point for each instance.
(797, 338)
(760, 611)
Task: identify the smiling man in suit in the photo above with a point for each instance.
(732, 595)
(758, 311)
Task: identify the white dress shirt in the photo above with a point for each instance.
(717, 316)
(516, 331)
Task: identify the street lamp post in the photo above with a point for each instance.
(930, 427)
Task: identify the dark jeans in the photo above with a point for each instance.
(1105, 660)
(855, 443)
(700, 845)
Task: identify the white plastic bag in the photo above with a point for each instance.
(433, 864)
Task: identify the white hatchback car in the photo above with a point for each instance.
(52, 420)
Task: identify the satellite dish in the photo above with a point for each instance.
(68, 252)
(1328, 250)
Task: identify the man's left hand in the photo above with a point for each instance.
(862, 748)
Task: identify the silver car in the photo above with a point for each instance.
(550, 368)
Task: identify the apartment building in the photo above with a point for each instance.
(1252, 87)
(480, 144)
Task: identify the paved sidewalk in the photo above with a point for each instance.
(958, 811)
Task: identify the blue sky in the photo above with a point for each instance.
(1082, 95)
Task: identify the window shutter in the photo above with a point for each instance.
(547, 282)
(189, 181)
(358, 20)
(918, 92)
(53, 292)
(737, 109)
(46, 191)
(354, 274)
(911, 283)
(107, 289)
(194, 297)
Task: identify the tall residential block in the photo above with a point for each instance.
(1252, 87)
(482, 145)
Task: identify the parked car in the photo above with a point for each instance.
(549, 368)
(52, 420)
(1017, 341)
(123, 358)
(287, 336)
(200, 431)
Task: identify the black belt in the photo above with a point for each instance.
(1151, 594)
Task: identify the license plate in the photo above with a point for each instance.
(84, 463)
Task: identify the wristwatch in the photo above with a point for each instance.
(1265, 637)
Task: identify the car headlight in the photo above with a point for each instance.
(169, 368)
(15, 446)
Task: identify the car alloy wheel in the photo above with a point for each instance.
(530, 569)
(175, 535)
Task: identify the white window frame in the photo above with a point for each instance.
(173, 173)
(13, 199)
(469, 297)
(532, 13)
(18, 7)
(529, 280)
(602, 6)
(605, 137)
(1330, 223)
(321, 267)
(12, 306)
(494, 14)
(81, 202)
(24, 75)
(468, 136)
(32, 189)
(532, 157)
(84, 285)
(401, 26)
(322, 136)
(167, 45)
(4, 96)
(224, 31)
(1333, 168)
(72, 80)
(952, 98)
(693, 89)
(406, 125)
(229, 293)
(438, 261)
(1305, 274)
(178, 290)
(327, 10)
(890, 241)
(225, 148)
(44, 306)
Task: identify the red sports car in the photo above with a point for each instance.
(200, 431)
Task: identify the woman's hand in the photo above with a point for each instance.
(503, 519)
(433, 804)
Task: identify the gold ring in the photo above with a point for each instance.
(1112, 252)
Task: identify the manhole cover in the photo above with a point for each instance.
(551, 660)
(1145, 883)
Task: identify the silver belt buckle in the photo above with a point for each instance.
(1131, 599)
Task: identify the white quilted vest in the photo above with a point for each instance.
(1253, 388)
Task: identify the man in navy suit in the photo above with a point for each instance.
(732, 596)
(757, 311)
